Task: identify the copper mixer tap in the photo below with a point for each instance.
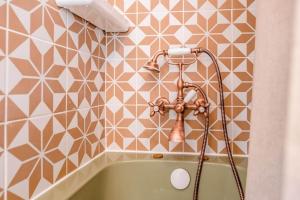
(200, 106)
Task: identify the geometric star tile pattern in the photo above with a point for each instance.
(3, 15)
(68, 91)
(227, 28)
(36, 154)
(52, 74)
(3, 8)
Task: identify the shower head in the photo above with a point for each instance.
(152, 66)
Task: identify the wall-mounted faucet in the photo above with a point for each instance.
(200, 106)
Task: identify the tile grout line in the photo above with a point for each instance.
(105, 85)
(50, 114)
(231, 69)
(67, 88)
(50, 42)
(5, 189)
(42, 94)
(136, 82)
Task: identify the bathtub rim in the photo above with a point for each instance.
(68, 185)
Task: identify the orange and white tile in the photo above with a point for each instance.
(227, 28)
(36, 154)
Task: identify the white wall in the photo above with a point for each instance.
(273, 98)
(291, 167)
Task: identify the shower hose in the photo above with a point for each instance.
(224, 126)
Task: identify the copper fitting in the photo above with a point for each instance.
(152, 65)
(177, 133)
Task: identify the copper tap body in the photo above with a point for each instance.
(180, 105)
(162, 104)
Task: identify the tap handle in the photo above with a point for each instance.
(158, 106)
(201, 107)
(179, 51)
(155, 108)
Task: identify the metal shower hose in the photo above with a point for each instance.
(224, 126)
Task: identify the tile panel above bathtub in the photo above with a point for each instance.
(69, 91)
(51, 64)
(227, 28)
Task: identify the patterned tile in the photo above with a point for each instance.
(37, 80)
(240, 4)
(76, 139)
(124, 125)
(83, 36)
(93, 37)
(94, 130)
(2, 161)
(20, 12)
(243, 33)
(46, 22)
(126, 6)
(101, 130)
(76, 32)
(102, 46)
(85, 132)
(148, 129)
(212, 5)
(124, 85)
(84, 80)
(55, 25)
(121, 47)
(55, 65)
(2, 73)
(227, 28)
(74, 90)
(36, 154)
(3, 13)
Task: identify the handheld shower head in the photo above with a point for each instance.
(152, 66)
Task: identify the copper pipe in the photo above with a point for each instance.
(159, 53)
(186, 106)
(177, 132)
(152, 65)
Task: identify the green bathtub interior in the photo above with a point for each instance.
(150, 180)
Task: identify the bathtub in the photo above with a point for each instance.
(125, 176)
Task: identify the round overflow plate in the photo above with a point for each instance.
(180, 179)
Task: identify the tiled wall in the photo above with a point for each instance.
(51, 95)
(226, 27)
